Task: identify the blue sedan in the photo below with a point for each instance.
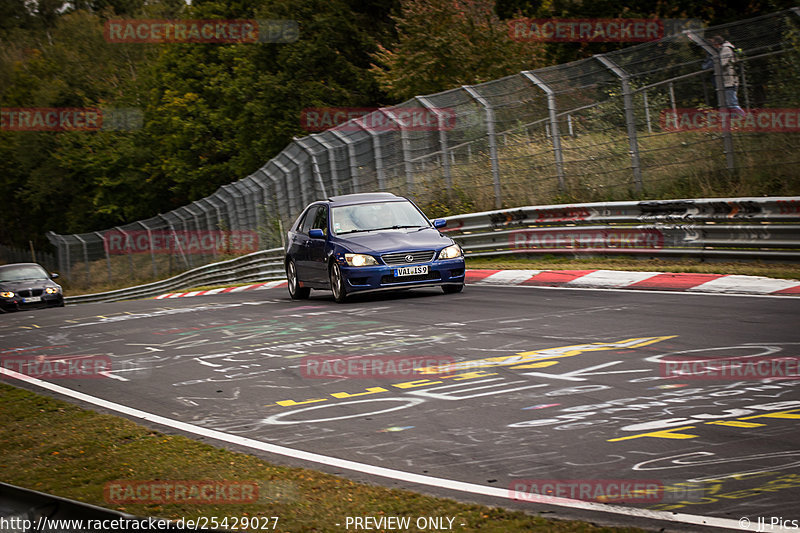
(369, 242)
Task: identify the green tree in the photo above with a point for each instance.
(443, 44)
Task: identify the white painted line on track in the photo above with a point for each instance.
(390, 473)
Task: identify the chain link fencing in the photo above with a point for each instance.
(631, 124)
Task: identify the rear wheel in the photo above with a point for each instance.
(452, 289)
(337, 283)
(295, 290)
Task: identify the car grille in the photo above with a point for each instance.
(25, 293)
(400, 258)
(430, 276)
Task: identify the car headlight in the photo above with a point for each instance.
(359, 260)
(6, 294)
(52, 290)
(451, 252)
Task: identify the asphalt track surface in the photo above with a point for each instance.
(524, 390)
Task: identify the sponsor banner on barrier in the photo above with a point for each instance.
(784, 120)
(594, 490)
(587, 239)
(175, 242)
(163, 492)
(373, 366)
(736, 368)
(58, 366)
(374, 119)
(201, 31)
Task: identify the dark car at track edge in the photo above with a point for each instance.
(365, 242)
(28, 286)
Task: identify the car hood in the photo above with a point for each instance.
(15, 286)
(399, 240)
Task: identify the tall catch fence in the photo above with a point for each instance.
(629, 124)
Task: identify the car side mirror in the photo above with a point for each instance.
(439, 223)
(316, 233)
(53, 275)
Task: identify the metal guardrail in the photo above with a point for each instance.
(735, 228)
(258, 266)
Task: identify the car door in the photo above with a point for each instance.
(317, 247)
(298, 248)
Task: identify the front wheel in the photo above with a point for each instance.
(295, 290)
(452, 289)
(337, 283)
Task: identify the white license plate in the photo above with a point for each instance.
(411, 271)
(32, 299)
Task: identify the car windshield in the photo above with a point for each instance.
(22, 273)
(376, 216)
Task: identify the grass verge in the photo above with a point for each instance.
(55, 447)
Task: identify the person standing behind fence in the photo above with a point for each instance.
(727, 59)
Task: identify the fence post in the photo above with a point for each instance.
(376, 148)
(302, 178)
(314, 164)
(630, 119)
(320, 138)
(85, 259)
(291, 204)
(187, 257)
(647, 112)
(404, 143)
(56, 240)
(722, 101)
(108, 255)
(152, 250)
(551, 108)
(351, 153)
(276, 184)
(490, 133)
(448, 181)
